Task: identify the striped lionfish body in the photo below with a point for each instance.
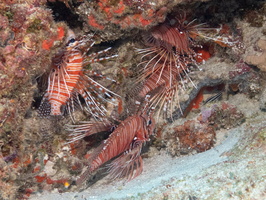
(170, 59)
(125, 142)
(67, 80)
(165, 85)
(64, 79)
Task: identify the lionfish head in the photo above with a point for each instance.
(175, 34)
(146, 112)
(150, 124)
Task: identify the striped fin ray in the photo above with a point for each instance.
(93, 57)
(119, 141)
(67, 81)
(73, 103)
(87, 128)
(94, 94)
(93, 105)
(94, 73)
(95, 54)
(99, 90)
(128, 165)
(163, 92)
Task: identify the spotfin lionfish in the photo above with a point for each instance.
(124, 143)
(68, 79)
(170, 59)
(171, 56)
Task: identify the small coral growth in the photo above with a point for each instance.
(200, 134)
(226, 116)
(194, 135)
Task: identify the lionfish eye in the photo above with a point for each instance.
(174, 49)
(71, 40)
(149, 122)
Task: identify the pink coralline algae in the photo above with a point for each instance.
(222, 116)
(24, 30)
(241, 68)
(199, 134)
(121, 16)
(193, 135)
(133, 14)
(24, 27)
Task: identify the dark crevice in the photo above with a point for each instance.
(62, 13)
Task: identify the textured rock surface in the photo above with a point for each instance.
(259, 60)
(233, 169)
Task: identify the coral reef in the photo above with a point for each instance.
(121, 16)
(36, 154)
(28, 38)
(226, 116)
(27, 35)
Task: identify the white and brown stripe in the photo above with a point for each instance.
(68, 80)
(126, 142)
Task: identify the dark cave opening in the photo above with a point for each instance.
(61, 12)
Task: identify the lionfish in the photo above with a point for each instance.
(124, 144)
(68, 79)
(171, 58)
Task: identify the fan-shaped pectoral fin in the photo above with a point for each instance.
(128, 165)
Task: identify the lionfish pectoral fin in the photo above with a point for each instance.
(44, 109)
(88, 128)
(128, 165)
(56, 109)
(99, 89)
(73, 104)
